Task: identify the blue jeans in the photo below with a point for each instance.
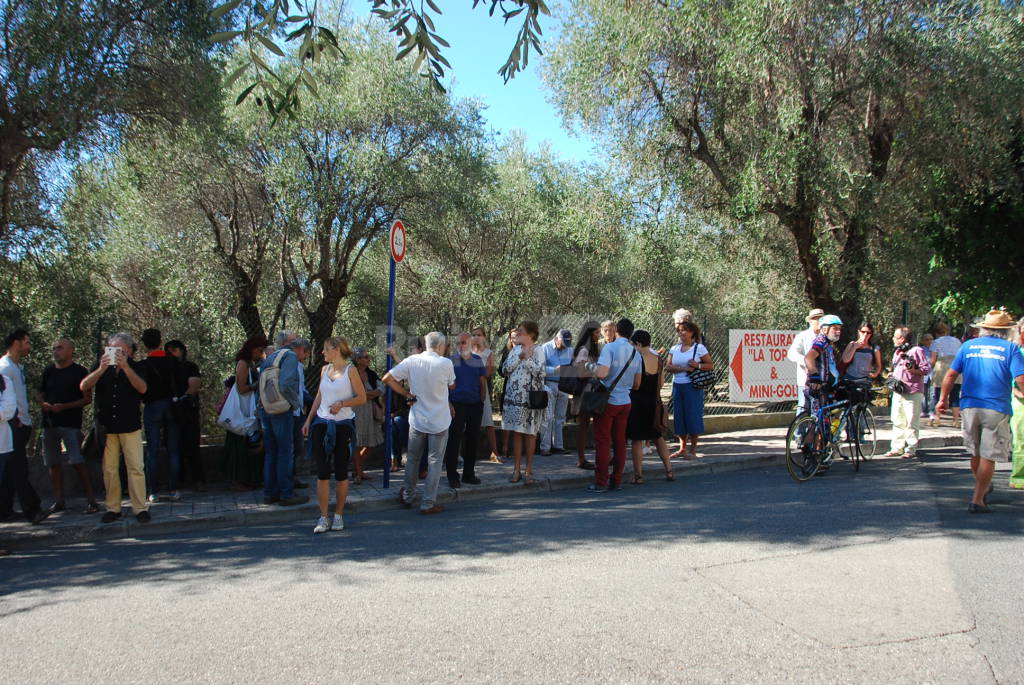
(279, 453)
(687, 409)
(157, 415)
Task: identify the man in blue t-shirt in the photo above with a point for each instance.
(990, 364)
(619, 365)
(467, 400)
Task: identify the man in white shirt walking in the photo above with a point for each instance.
(14, 476)
(798, 351)
(430, 377)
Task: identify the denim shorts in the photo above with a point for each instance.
(53, 436)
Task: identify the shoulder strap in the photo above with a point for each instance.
(628, 362)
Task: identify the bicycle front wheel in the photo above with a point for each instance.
(868, 443)
(804, 448)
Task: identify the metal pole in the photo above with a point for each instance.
(387, 393)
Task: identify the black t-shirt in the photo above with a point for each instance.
(164, 378)
(118, 403)
(59, 386)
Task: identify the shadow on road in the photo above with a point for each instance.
(886, 499)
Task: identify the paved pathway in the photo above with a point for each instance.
(721, 452)
(747, 577)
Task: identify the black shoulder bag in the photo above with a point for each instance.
(595, 399)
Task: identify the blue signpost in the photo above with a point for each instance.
(397, 243)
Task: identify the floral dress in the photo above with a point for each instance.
(524, 375)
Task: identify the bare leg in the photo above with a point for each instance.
(360, 459)
(531, 442)
(57, 483)
(342, 495)
(693, 444)
(638, 460)
(662, 448)
(492, 441)
(582, 423)
(517, 453)
(323, 495)
(504, 442)
(83, 476)
(682, 448)
(983, 470)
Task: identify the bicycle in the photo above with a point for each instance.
(814, 440)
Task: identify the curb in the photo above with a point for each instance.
(257, 515)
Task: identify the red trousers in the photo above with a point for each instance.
(609, 432)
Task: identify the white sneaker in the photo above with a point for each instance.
(323, 525)
(337, 523)
(153, 498)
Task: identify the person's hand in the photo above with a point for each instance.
(47, 407)
(336, 407)
(693, 363)
(305, 429)
(121, 360)
(940, 408)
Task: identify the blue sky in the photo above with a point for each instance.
(479, 47)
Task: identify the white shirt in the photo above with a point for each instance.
(335, 390)
(798, 352)
(430, 376)
(946, 346)
(682, 357)
(8, 408)
(15, 375)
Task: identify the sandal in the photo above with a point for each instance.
(585, 465)
(530, 480)
(516, 477)
(496, 459)
(670, 475)
(637, 479)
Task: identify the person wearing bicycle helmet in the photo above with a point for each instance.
(822, 368)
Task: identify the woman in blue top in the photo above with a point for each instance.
(863, 359)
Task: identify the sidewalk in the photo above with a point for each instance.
(722, 452)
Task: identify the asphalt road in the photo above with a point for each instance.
(880, 576)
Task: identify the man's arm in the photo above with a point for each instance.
(396, 385)
(947, 387)
(135, 379)
(811, 362)
(796, 352)
(90, 381)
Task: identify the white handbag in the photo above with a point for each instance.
(239, 413)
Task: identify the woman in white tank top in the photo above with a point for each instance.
(330, 428)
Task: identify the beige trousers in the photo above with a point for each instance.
(906, 421)
(130, 445)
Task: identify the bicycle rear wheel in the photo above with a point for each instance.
(804, 448)
(868, 442)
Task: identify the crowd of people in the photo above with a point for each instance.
(979, 379)
(609, 378)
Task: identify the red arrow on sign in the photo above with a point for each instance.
(737, 364)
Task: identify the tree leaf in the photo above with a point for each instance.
(230, 80)
(270, 45)
(221, 10)
(224, 36)
(245, 93)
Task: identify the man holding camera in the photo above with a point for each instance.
(910, 365)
